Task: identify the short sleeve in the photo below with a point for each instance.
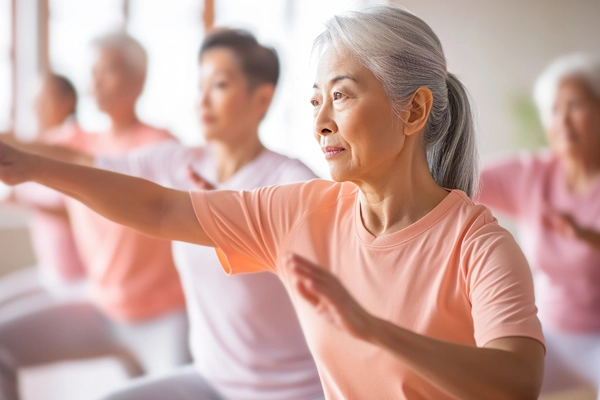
(500, 285)
(250, 227)
(504, 184)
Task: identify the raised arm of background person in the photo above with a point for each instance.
(142, 205)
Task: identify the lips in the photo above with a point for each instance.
(332, 151)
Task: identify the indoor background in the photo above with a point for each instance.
(497, 48)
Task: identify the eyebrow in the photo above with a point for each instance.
(337, 79)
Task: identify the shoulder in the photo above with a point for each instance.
(478, 231)
(151, 133)
(526, 161)
(287, 169)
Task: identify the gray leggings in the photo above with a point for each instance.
(77, 330)
(183, 384)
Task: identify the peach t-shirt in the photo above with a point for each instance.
(132, 276)
(454, 275)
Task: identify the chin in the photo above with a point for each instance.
(339, 174)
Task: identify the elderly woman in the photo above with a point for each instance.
(136, 308)
(554, 196)
(404, 288)
(59, 271)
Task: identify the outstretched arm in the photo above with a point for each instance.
(144, 206)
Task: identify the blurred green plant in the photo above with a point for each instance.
(529, 133)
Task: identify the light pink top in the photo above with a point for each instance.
(522, 187)
(132, 276)
(244, 334)
(51, 236)
(454, 275)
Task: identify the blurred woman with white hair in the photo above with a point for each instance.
(136, 309)
(554, 196)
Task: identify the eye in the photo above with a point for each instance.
(314, 102)
(337, 95)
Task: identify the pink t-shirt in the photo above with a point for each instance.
(454, 275)
(51, 236)
(132, 276)
(569, 270)
(244, 333)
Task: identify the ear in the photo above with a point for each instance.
(263, 95)
(417, 111)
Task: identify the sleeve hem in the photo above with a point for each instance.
(515, 330)
(205, 218)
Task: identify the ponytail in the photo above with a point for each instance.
(453, 159)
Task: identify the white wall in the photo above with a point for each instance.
(499, 47)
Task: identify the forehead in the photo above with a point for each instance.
(220, 60)
(110, 57)
(336, 62)
(574, 85)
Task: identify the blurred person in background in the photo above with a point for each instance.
(59, 271)
(554, 196)
(404, 287)
(244, 335)
(137, 308)
(251, 346)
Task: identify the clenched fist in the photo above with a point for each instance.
(15, 166)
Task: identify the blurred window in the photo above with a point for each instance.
(73, 25)
(5, 64)
(171, 31)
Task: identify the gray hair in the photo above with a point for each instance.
(582, 66)
(404, 53)
(132, 51)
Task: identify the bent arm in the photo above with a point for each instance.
(507, 368)
(144, 206)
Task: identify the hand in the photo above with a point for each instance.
(564, 224)
(329, 297)
(198, 180)
(15, 166)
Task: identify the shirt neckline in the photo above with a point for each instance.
(410, 232)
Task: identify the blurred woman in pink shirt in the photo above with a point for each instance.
(59, 272)
(554, 196)
(136, 308)
(404, 288)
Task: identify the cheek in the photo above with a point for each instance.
(372, 137)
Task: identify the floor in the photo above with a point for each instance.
(74, 380)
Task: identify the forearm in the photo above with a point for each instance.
(463, 371)
(592, 238)
(129, 201)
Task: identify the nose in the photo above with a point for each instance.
(324, 121)
(203, 99)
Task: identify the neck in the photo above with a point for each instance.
(580, 173)
(231, 157)
(47, 125)
(123, 121)
(399, 195)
